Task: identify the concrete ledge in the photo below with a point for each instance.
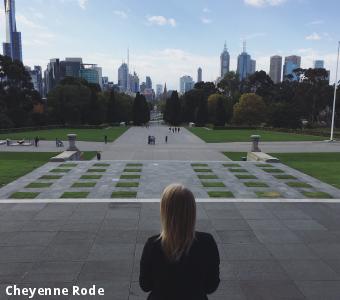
(66, 156)
(261, 156)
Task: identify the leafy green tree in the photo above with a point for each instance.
(220, 109)
(173, 109)
(202, 113)
(140, 111)
(251, 110)
(111, 108)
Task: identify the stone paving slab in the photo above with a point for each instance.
(258, 260)
(156, 175)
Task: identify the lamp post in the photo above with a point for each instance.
(335, 90)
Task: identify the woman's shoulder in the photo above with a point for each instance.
(204, 237)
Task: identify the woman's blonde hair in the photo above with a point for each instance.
(178, 220)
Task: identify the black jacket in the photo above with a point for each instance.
(192, 278)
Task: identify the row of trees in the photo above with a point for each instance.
(257, 100)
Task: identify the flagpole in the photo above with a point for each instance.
(335, 90)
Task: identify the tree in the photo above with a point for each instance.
(140, 110)
(202, 113)
(173, 110)
(111, 108)
(251, 110)
(220, 109)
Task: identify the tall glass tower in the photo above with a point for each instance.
(12, 47)
(225, 61)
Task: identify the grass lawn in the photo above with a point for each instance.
(60, 170)
(130, 177)
(134, 165)
(123, 194)
(268, 195)
(127, 184)
(101, 165)
(216, 194)
(232, 165)
(91, 177)
(298, 184)
(74, 195)
(67, 165)
(323, 166)
(24, 195)
(91, 135)
(255, 184)
(38, 185)
(51, 177)
(208, 184)
(243, 135)
(84, 184)
(317, 195)
(237, 170)
(199, 165)
(132, 170)
(17, 164)
(241, 176)
(207, 176)
(96, 171)
(203, 170)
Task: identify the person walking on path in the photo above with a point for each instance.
(105, 139)
(166, 139)
(36, 141)
(179, 263)
(99, 156)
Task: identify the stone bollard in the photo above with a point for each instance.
(255, 140)
(72, 142)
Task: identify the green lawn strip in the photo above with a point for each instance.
(298, 184)
(130, 177)
(203, 170)
(241, 176)
(235, 156)
(24, 195)
(96, 171)
(88, 155)
(14, 165)
(268, 195)
(199, 165)
(264, 165)
(132, 170)
(255, 184)
(207, 176)
(273, 171)
(124, 194)
(38, 185)
(67, 165)
(220, 194)
(74, 195)
(50, 177)
(237, 170)
(134, 165)
(323, 166)
(208, 184)
(101, 165)
(60, 170)
(243, 135)
(284, 176)
(84, 184)
(317, 195)
(91, 177)
(127, 184)
(90, 135)
(232, 165)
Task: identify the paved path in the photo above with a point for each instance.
(268, 250)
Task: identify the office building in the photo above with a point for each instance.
(225, 61)
(52, 75)
(123, 75)
(36, 78)
(148, 82)
(199, 75)
(142, 87)
(91, 73)
(245, 65)
(186, 84)
(12, 47)
(159, 90)
(319, 64)
(149, 94)
(292, 63)
(275, 72)
(134, 82)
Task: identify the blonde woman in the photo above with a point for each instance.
(180, 263)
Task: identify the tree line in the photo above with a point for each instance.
(257, 101)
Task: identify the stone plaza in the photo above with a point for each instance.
(87, 221)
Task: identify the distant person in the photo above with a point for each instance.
(57, 142)
(169, 129)
(149, 139)
(166, 139)
(179, 129)
(105, 139)
(99, 156)
(179, 263)
(36, 141)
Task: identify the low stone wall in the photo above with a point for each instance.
(261, 157)
(66, 156)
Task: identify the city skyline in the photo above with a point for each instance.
(172, 43)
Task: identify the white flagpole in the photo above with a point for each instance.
(335, 90)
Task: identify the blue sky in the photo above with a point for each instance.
(168, 39)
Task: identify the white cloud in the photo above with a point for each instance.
(206, 20)
(206, 10)
(315, 22)
(121, 14)
(161, 21)
(262, 3)
(313, 37)
(82, 3)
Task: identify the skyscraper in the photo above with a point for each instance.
(36, 78)
(291, 63)
(319, 64)
(186, 84)
(148, 82)
(225, 61)
(199, 75)
(123, 75)
(275, 72)
(252, 66)
(159, 89)
(12, 47)
(134, 82)
(245, 66)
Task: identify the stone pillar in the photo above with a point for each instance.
(72, 142)
(255, 143)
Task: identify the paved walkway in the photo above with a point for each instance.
(268, 251)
